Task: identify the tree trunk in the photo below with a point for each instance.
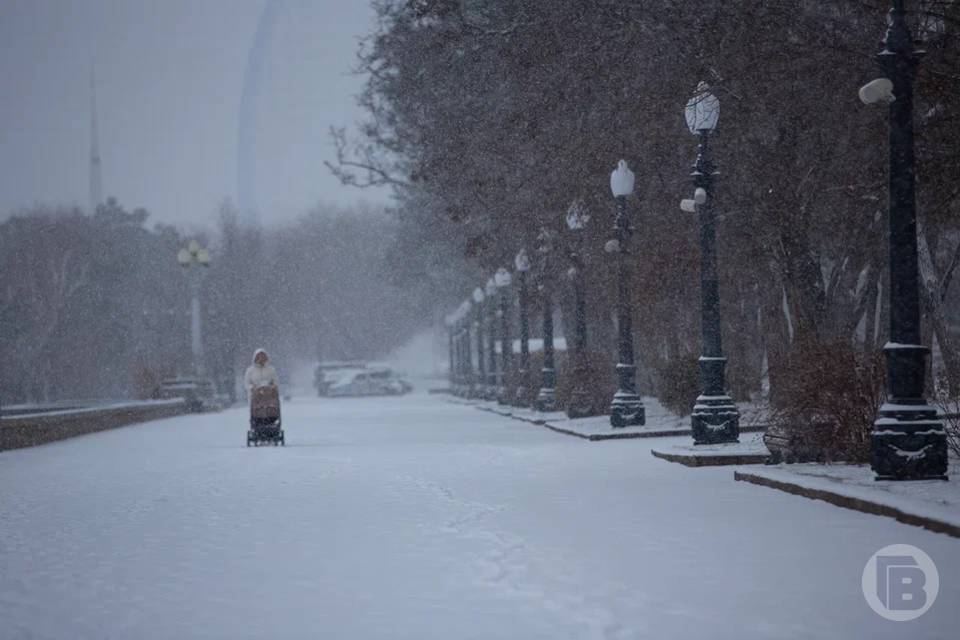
(933, 308)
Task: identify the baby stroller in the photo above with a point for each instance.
(265, 418)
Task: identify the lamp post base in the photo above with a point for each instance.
(627, 410)
(909, 443)
(546, 400)
(715, 420)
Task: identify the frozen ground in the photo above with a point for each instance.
(416, 518)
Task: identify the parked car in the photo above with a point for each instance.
(329, 372)
(366, 381)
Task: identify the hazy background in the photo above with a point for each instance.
(169, 81)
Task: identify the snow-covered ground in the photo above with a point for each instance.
(416, 518)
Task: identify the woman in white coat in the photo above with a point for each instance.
(260, 374)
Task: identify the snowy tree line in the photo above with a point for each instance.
(490, 118)
(96, 306)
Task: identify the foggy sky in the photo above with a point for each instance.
(169, 81)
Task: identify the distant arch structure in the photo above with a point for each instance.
(253, 78)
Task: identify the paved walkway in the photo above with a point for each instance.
(416, 518)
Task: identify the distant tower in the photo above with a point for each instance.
(247, 122)
(96, 182)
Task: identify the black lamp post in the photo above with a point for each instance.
(522, 263)
(467, 375)
(580, 405)
(480, 379)
(547, 396)
(463, 349)
(909, 442)
(451, 325)
(458, 357)
(503, 279)
(715, 418)
(492, 369)
(626, 409)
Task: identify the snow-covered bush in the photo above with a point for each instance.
(678, 383)
(949, 406)
(828, 401)
(600, 382)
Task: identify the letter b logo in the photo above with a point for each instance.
(900, 582)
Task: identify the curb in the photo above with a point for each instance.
(850, 502)
(597, 437)
(30, 430)
(718, 460)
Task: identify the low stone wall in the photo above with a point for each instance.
(29, 430)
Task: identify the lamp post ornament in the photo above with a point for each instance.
(715, 417)
(580, 405)
(504, 280)
(626, 409)
(908, 440)
(547, 396)
(522, 264)
(195, 259)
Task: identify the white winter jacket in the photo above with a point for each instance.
(257, 376)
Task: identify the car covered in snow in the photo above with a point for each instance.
(360, 380)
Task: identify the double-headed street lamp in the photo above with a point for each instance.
(626, 409)
(480, 379)
(503, 279)
(547, 396)
(715, 417)
(195, 259)
(522, 264)
(908, 441)
(580, 405)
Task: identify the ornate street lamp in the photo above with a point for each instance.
(626, 409)
(450, 323)
(715, 417)
(466, 349)
(480, 379)
(503, 280)
(580, 405)
(547, 396)
(195, 260)
(455, 323)
(493, 378)
(908, 441)
(522, 264)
